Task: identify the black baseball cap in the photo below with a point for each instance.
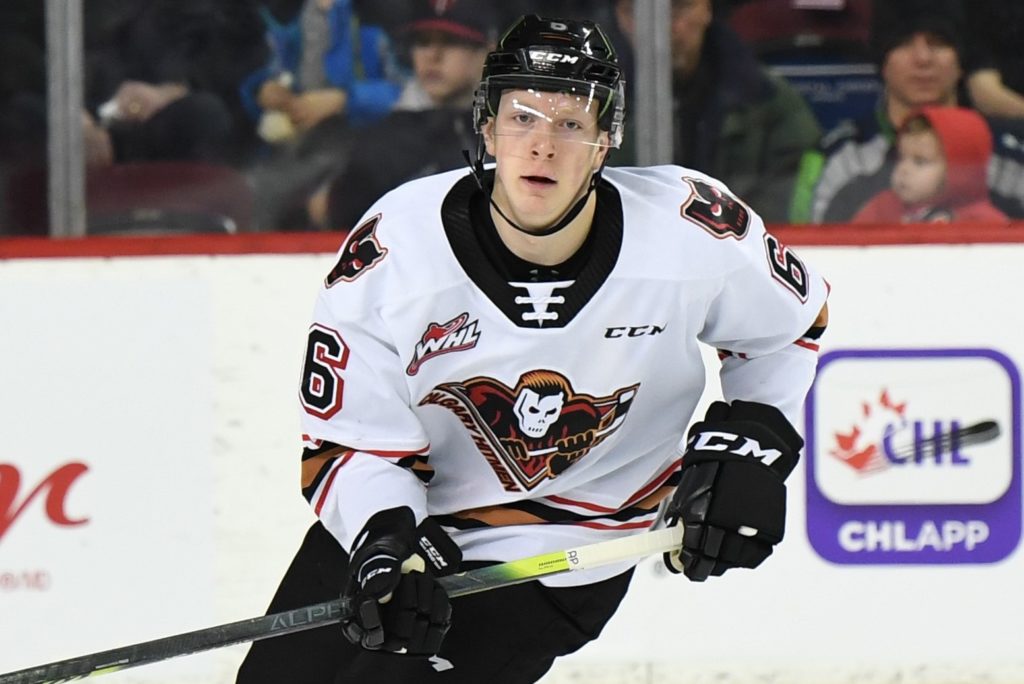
(472, 21)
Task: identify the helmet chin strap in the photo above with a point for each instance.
(477, 167)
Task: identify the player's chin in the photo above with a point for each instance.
(535, 216)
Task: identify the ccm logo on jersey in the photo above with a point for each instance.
(734, 444)
(553, 57)
(633, 331)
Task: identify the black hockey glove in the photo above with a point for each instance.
(731, 497)
(403, 612)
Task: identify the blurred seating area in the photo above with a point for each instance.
(236, 116)
(822, 51)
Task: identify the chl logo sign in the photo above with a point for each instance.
(894, 475)
(52, 490)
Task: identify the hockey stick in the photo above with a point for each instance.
(977, 433)
(330, 612)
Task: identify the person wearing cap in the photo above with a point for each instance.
(447, 44)
(918, 47)
(502, 363)
(430, 124)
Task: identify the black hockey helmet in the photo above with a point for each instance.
(559, 55)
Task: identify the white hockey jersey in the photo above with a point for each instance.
(534, 417)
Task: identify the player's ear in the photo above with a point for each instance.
(603, 142)
(488, 132)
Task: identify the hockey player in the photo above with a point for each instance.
(503, 362)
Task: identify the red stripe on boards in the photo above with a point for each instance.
(323, 243)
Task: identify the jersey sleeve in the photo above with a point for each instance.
(365, 449)
(762, 320)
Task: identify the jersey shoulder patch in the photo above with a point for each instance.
(362, 251)
(715, 210)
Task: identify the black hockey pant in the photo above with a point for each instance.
(503, 636)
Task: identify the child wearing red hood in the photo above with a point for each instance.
(941, 172)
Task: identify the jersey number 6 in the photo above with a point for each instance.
(786, 267)
(322, 385)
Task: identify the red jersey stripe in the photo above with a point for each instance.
(342, 460)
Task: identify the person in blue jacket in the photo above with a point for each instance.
(324, 62)
(330, 74)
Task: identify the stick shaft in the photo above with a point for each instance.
(976, 433)
(330, 612)
(572, 560)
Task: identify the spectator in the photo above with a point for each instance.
(160, 84)
(733, 120)
(431, 124)
(995, 73)
(448, 43)
(917, 45)
(325, 63)
(162, 78)
(164, 73)
(940, 171)
(330, 73)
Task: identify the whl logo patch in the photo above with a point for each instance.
(458, 334)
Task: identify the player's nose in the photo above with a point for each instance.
(542, 145)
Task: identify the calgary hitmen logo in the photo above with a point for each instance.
(536, 430)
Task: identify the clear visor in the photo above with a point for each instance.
(568, 112)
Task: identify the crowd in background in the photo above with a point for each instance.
(295, 115)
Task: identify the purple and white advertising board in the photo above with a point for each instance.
(913, 456)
